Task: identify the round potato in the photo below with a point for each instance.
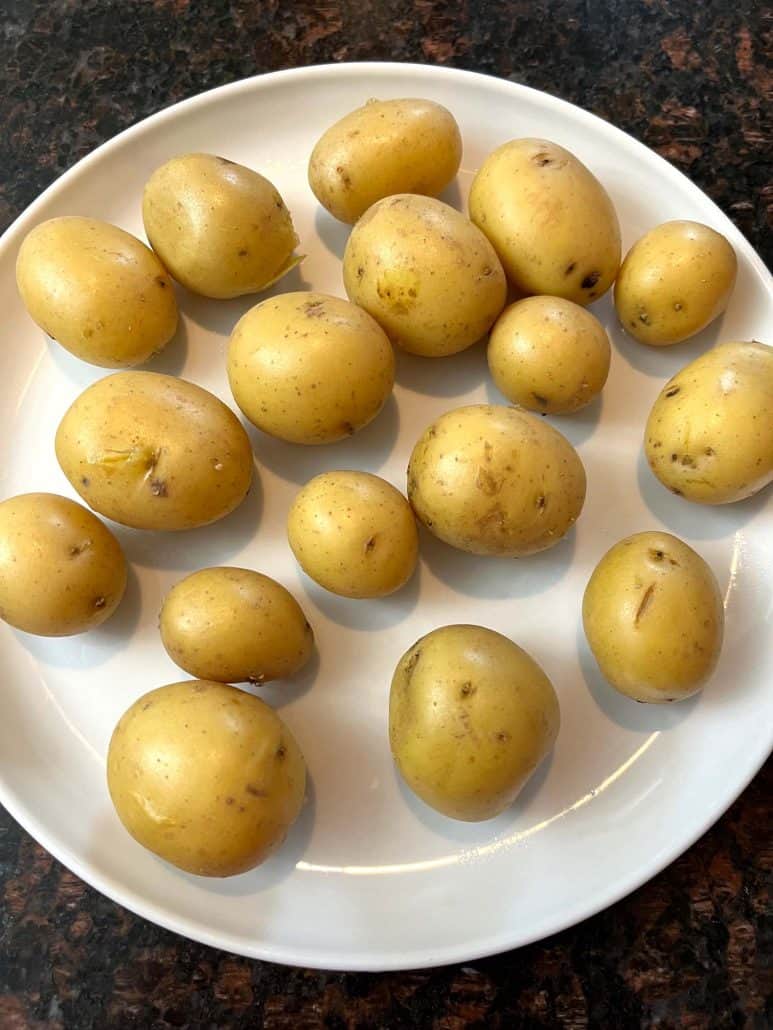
(673, 282)
(221, 229)
(471, 716)
(235, 625)
(97, 291)
(354, 534)
(383, 148)
(425, 273)
(549, 355)
(154, 452)
(206, 776)
(550, 220)
(653, 616)
(309, 368)
(709, 436)
(61, 570)
(495, 480)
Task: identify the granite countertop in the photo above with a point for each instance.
(693, 947)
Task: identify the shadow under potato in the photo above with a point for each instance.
(277, 693)
(367, 614)
(332, 233)
(577, 426)
(452, 376)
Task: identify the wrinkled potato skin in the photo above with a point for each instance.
(549, 355)
(309, 368)
(354, 534)
(673, 282)
(550, 220)
(154, 452)
(96, 290)
(383, 148)
(234, 625)
(653, 617)
(221, 229)
(61, 570)
(471, 716)
(205, 776)
(709, 436)
(495, 480)
(425, 273)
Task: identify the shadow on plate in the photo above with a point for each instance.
(453, 376)
(333, 233)
(279, 693)
(368, 614)
(452, 195)
(577, 427)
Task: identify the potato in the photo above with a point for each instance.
(673, 282)
(653, 616)
(471, 716)
(550, 220)
(154, 452)
(354, 534)
(221, 229)
(235, 625)
(549, 355)
(310, 368)
(384, 148)
(425, 273)
(495, 480)
(97, 291)
(61, 570)
(206, 776)
(709, 436)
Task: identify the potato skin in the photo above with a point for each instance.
(471, 716)
(354, 534)
(154, 452)
(425, 273)
(310, 368)
(62, 571)
(550, 220)
(221, 229)
(709, 436)
(96, 290)
(653, 616)
(673, 282)
(383, 148)
(235, 625)
(495, 480)
(206, 776)
(549, 355)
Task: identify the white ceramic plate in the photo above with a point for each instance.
(370, 878)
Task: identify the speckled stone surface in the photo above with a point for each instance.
(689, 78)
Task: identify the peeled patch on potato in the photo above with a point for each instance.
(383, 148)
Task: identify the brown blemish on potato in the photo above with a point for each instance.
(314, 308)
(674, 457)
(256, 791)
(78, 549)
(657, 555)
(243, 252)
(486, 482)
(644, 318)
(344, 175)
(225, 161)
(148, 704)
(646, 601)
(256, 678)
(542, 401)
(709, 452)
(161, 282)
(672, 392)
(542, 159)
(675, 490)
(541, 503)
(493, 520)
(677, 306)
(348, 428)
(570, 268)
(503, 736)
(100, 602)
(229, 800)
(158, 488)
(590, 280)
(370, 544)
(281, 751)
(199, 688)
(85, 481)
(467, 689)
(410, 665)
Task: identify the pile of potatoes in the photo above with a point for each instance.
(204, 773)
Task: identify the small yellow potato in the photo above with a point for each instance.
(309, 368)
(471, 716)
(653, 616)
(673, 282)
(354, 534)
(61, 570)
(234, 626)
(205, 776)
(97, 290)
(549, 355)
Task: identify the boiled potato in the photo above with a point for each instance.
(673, 282)
(97, 291)
(549, 355)
(206, 776)
(384, 148)
(425, 273)
(653, 616)
(61, 570)
(709, 436)
(495, 480)
(154, 452)
(471, 716)
(235, 625)
(550, 220)
(310, 368)
(354, 534)
(221, 229)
